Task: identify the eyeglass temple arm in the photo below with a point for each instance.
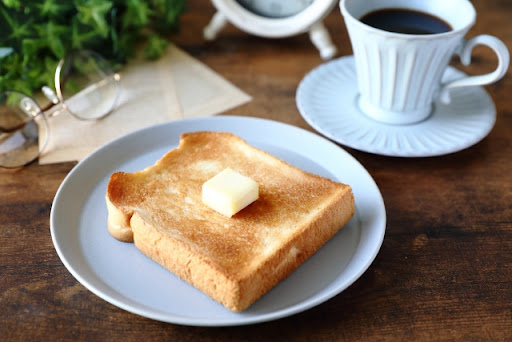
(50, 95)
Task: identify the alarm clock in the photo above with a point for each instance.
(275, 19)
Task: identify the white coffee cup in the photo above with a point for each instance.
(400, 75)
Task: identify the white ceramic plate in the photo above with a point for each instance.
(327, 99)
(121, 275)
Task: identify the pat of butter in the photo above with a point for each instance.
(229, 192)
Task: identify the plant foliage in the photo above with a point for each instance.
(36, 34)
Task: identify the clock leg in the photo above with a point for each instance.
(322, 40)
(216, 24)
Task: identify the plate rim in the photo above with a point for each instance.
(156, 314)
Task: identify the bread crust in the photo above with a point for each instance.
(233, 260)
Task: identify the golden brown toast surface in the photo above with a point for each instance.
(167, 197)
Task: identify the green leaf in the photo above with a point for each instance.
(155, 47)
(55, 36)
(12, 3)
(137, 13)
(49, 8)
(18, 31)
(81, 35)
(29, 48)
(11, 78)
(43, 73)
(170, 11)
(93, 12)
(173, 11)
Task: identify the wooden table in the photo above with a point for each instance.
(444, 271)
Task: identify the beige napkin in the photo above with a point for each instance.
(174, 87)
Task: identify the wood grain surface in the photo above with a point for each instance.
(444, 272)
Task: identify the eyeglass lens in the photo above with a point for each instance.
(86, 85)
(20, 118)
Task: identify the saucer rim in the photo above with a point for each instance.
(303, 105)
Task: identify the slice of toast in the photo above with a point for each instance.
(233, 260)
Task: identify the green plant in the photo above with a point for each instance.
(36, 34)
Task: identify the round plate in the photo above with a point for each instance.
(123, 276)
(327, 99)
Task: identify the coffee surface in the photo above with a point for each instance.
(405, 21)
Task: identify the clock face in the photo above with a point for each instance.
(274, 8)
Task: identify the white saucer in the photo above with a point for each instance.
(327, 99)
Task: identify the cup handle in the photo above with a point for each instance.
(465, 57)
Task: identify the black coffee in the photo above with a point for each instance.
(405, 21)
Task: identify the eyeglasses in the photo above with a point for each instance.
(85, 86)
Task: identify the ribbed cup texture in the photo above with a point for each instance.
(397, 74)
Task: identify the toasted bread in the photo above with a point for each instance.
(233, 260)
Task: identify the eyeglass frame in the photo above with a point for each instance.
(57, 102)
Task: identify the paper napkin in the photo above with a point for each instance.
(174, 87)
